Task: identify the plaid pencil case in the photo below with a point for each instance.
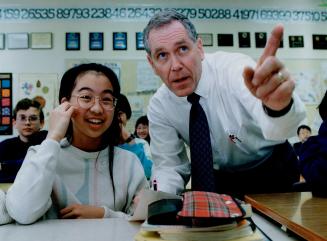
(196, 209)
(209, 209)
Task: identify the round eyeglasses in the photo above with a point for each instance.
(86, 101)
(31, 118)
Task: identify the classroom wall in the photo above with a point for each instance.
(306, 17)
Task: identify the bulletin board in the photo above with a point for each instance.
(6, 104)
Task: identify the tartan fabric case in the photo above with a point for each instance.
(209, 209)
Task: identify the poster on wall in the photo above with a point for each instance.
(17, 40)
(43, 87)
(41, 40)
(96, 41)
(145, 77)
(319, 41)
(244, 40)
(119, 41)
(73, 41)
(6, 104)
(225, 40)
(2, 41)
(296, 41)
(260, 39)
(139, 41)
(207, 39)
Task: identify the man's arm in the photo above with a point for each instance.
(271, 83)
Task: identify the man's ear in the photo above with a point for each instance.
(199, 45)
(149, 60)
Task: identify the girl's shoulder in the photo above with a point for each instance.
(123, 153)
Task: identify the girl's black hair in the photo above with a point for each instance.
(323, 107)
(111, 136)
(124, 106)
(142, 120)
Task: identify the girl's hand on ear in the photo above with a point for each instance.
(59, 121)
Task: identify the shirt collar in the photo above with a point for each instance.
(203, 85)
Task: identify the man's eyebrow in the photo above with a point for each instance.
(160, 49)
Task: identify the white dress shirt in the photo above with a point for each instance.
(242, 134)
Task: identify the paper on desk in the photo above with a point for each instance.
(147, 197)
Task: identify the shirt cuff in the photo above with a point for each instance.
(278, 113)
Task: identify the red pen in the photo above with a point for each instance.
(154, 183)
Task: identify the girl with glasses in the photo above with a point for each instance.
(78, 171)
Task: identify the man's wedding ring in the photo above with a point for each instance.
(280, 77)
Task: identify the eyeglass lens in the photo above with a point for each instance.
(86, 101)
(31, 118)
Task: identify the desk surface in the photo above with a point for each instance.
(112, 229)
(98, 230)
(300, 212)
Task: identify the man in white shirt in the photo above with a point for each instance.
(250, 107)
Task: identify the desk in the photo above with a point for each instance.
(113, 229)
(301, 213)
(99, 230)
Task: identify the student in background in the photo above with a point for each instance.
(28, 119)
(251, 110)
(78, 171)
(303, 133)
(313, 155)
(128, 141)
(142, 128)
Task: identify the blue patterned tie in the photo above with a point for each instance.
(200, 145)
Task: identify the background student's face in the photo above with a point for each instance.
(27, 122)
(175, 58)
(304, 134)
(142, 131)
(90, 124)
(122, 118)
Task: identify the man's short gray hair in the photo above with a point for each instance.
(166, 17)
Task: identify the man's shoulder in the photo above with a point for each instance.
(224, 54)
(163, 94)
(224, 59)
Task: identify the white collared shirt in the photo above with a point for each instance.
(241, 132)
